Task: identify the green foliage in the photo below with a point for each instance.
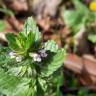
(11, 85)
(92, 38)
(30, 26)
(51, 46)
(6, 11)
(83, 92)
(12, 41)
(2, 26)
(56, 63)
(79, 17)
(26, 41)
(22, 74)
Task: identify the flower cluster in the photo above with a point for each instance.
(38, 56)
(13, 55)
(35, 56)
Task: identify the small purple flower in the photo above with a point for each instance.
(43, 53)
(38, 58)
(35, 56)
(12, 54)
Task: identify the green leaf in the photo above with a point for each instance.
(80, 6)
(12, 41)
(53, 65)
(9, 84)
(21, 40)
(51, 46)
(26, 41)
(30, 41)
(30, 26)
(77, 19)
(40, 91)
(2, 26)
(22, 90)
(83, 92)
(92, 38)
(58, 79)
(15, 71)
(43, 84)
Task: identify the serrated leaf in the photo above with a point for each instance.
(76, 19)
(25, 43)
(43, 84)
(13, 86)
(30, 41)
(12, 41)
(55, 63)
(21, 40)
(15, 71)
(30, 26)
(51, 46)
(40, 91)
(22, 90)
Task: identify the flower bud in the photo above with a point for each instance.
(12, 54)
(36, 57)
(19, 59)
(43, 53)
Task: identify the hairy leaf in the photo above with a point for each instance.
(55, 64)
(77, 18)
(30, 26)
(51, 46)
(9, 84)
(12, 41)
(29, 41)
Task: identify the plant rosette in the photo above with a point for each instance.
(31, 67)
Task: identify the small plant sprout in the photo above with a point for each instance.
(30, 78)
